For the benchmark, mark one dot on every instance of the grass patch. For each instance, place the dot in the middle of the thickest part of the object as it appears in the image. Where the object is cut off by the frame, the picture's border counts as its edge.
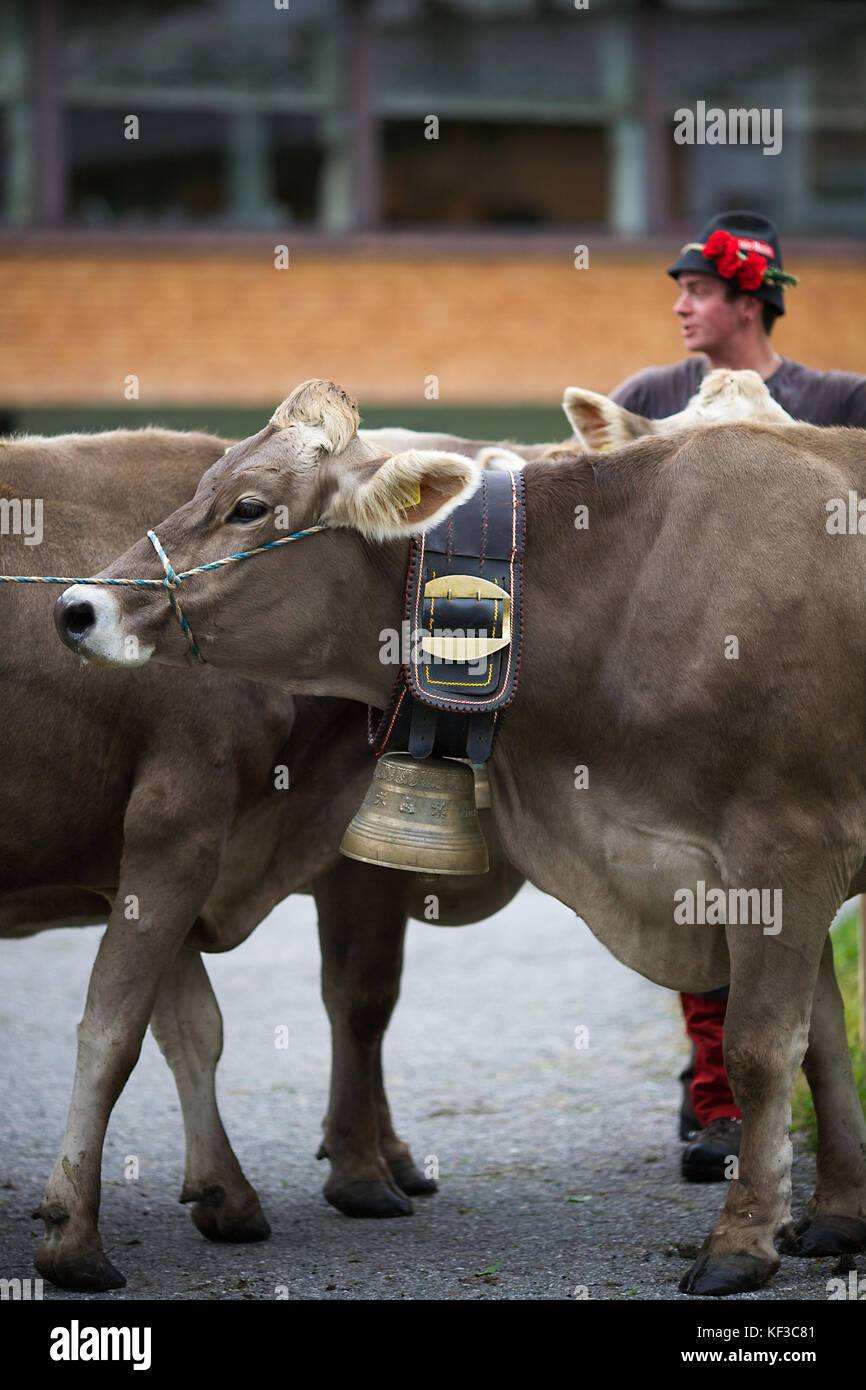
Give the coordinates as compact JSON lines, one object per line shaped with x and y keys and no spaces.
{"x":845,"y":937}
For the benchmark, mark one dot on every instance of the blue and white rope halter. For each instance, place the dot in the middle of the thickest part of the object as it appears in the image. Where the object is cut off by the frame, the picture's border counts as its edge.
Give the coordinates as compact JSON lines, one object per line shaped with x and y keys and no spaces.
{"x":171,"y":581}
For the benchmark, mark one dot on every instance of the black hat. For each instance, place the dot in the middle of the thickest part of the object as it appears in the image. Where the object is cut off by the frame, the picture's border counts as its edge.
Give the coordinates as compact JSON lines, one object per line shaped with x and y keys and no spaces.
{"x":750,"y":233}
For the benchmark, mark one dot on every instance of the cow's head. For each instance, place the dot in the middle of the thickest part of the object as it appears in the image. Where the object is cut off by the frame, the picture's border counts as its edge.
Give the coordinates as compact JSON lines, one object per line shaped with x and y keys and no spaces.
{"x":281,"y":615}
{"x":724,"y":398}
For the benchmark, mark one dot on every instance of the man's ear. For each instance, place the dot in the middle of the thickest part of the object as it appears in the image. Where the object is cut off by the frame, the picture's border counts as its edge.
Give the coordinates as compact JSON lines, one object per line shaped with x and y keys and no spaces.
{"x":599,"y":422}
{"x":748,"y":307}
{"x":402,"y":494}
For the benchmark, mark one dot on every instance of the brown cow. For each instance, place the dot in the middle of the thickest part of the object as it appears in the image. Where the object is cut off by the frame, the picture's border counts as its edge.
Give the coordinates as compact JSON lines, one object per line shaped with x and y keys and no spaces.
{"x":675,"y":648}
{"x":151,"y":802}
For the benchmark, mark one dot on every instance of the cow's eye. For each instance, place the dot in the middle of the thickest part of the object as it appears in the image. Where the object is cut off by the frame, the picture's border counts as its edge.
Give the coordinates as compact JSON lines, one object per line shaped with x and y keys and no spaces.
{"x":248,"y":510}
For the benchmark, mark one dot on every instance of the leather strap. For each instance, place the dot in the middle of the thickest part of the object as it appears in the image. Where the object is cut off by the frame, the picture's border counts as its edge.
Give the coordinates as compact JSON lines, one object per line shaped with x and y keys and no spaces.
{"x":450,"y":707}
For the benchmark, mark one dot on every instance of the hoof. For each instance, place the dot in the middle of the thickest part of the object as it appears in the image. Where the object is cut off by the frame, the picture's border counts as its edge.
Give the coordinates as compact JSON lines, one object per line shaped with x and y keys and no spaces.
{"x":212,"y":1216}
{"x":85,"y":1273}
{"x":717,"y":1275}
{"x":826,"y":1235}
{"x":410,"y":1181}
{"x":370,"y":1199}
{"x":237,"y":1231}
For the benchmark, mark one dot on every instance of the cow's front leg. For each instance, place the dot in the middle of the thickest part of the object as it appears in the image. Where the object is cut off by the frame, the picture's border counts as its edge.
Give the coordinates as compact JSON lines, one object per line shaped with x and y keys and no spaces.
{"x":187,"y":1024}
{"x":362,"y":923}
{"x":766,"y":1032}
{"x":163,"y":884}
{"x":834,"y":1222}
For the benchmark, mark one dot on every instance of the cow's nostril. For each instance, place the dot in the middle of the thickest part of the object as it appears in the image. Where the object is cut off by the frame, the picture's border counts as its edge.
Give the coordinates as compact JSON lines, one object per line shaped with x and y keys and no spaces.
{"x":77,"y":618}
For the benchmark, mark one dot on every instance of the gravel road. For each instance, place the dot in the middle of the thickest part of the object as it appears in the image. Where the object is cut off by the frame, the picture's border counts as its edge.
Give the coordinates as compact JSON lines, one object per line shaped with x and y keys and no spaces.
{"x":559,"y":1165}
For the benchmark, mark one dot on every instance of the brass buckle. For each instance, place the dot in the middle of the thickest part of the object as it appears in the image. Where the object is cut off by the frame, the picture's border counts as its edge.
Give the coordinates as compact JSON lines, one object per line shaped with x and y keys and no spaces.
{"x":466,"y":648}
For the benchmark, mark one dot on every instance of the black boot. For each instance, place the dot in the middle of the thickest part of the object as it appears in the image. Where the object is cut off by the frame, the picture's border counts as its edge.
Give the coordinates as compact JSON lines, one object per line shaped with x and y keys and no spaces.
{"x":706,"y":1158}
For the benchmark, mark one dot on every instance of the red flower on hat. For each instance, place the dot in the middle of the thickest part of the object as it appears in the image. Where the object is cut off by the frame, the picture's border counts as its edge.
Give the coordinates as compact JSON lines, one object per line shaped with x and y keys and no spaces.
{"x":716,"y":244}
{"x":724,"y":249}
{"x":729,"y":261}
{"x":750,"y":275}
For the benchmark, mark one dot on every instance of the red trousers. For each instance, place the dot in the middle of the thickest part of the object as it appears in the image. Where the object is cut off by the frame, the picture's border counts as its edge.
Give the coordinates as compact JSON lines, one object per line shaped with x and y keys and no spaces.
{"x":710,"y":1093}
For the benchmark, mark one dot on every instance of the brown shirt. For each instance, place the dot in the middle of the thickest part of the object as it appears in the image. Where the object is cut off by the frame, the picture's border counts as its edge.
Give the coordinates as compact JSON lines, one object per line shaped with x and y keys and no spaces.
{"x":819,"y":398}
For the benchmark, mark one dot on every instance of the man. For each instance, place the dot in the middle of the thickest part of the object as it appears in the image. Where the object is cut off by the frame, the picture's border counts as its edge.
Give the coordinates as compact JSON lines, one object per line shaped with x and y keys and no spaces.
{"x":731,"y":291}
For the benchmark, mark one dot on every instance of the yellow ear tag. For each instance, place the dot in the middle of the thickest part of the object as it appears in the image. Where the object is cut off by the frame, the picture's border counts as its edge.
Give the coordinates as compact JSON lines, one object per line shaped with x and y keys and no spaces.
{"x":414,"y":500}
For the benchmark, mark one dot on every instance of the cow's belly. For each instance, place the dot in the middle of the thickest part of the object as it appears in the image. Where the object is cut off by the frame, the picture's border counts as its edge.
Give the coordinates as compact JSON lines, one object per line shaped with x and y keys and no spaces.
{"x":33,"y":910}
{"x":621,"y":878}
{"x":636,"y":879}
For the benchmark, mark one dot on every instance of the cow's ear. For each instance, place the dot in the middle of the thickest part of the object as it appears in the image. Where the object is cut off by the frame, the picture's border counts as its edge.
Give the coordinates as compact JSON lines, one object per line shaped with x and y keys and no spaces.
{"x":599,"y":422}
{"x":321,"y":417}
{"x":403,"y":494}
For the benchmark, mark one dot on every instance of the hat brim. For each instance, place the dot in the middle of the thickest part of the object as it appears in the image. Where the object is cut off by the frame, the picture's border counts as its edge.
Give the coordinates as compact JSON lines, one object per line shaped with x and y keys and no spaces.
{"x":698,"y":263}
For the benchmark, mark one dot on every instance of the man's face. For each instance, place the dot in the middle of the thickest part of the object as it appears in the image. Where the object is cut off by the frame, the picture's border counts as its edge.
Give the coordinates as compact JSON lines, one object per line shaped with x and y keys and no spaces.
{"x":707,"y":319}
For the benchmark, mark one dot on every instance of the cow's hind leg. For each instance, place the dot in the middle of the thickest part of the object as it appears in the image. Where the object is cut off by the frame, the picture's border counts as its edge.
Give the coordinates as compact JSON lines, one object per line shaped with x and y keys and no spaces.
{"x":766,"y":1033}
{"x":187,"y":1024}
{"x":362,"y":922}
{"x":166,"y":874}
{"x":834,"y":1222}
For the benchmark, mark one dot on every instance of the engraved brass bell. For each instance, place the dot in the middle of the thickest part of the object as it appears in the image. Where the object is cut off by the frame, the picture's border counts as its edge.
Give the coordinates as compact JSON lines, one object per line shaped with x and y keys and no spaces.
{"x":419,"y":815}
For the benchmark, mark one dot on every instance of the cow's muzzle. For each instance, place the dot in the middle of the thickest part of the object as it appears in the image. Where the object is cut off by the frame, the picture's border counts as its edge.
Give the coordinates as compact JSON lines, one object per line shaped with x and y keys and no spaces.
{"x":89,"y":622}
{"x":73,"y":618}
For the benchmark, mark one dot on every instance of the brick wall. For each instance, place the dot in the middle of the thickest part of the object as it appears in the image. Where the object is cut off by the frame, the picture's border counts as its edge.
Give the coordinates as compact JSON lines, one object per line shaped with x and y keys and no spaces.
{"x":222,"y":326}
